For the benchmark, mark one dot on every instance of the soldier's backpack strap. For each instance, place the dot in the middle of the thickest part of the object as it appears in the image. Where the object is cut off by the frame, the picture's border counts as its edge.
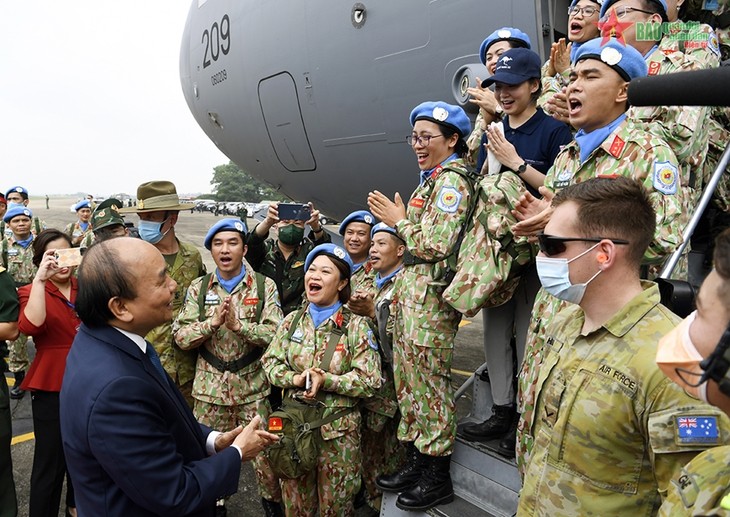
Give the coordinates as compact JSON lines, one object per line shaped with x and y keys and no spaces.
{"x":5,"y":252}
{"x":261,"y":295}
{"x":204,"y":286}
{"x":335,"y":334}
{"x":294,"y":323}
{"x":37,"y":224}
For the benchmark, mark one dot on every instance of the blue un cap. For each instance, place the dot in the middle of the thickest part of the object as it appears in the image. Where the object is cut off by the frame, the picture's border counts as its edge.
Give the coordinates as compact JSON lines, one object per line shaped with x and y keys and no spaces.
{"x":333,"y":251}
{"x":360,"y":216}
{"x":82,"y":204}
{"x":22,"y":190}
{"x":574,"y":2}
{"x":443,"y":114}
{"x":16,"y":211}
{"x":515,"y":66}
{"x":660,"y":3}
{"x":382,"y":227}
{"x":515,"y":36}
{"x":625,"y":60}
{"x":231,"y":224}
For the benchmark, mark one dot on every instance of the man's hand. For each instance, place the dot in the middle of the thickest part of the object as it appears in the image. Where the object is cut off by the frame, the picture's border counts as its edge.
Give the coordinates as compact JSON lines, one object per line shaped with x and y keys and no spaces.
{"x":390,"y":212}
{"x":313,"y":220}
{"x":232,"y":322}
{"x":220,"y":314}
{"x":272,"y":217}
{"x":362,"y":304}
{"x":316,"y":377}
{"x":557,"y":106}
{"x":251,"y":440}
{"x":532,"y":213}
{"x":224,"y":440}
{"x":559,"y":57}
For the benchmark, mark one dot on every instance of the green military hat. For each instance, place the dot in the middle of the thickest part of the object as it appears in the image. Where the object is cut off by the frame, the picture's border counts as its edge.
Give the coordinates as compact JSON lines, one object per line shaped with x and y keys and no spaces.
{"x":155,"y":196}
{"x":107,"y":214}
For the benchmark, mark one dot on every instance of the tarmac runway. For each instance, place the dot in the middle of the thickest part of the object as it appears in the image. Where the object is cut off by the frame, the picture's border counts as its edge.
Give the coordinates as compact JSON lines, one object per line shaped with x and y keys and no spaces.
{"x":468,"y":355}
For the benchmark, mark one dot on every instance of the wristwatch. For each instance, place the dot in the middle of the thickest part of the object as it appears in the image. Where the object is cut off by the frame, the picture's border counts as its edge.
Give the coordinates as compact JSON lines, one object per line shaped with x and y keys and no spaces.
{"x":521,"y":169}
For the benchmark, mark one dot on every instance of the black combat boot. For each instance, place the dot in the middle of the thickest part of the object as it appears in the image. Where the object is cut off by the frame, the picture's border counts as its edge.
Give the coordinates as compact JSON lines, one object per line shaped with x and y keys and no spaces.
{"x":406,"y":476}
{"x":434,"y":487}
{"x":497,"y":425}
{"x":507,"y":444}
{"x":272,"y":508}
{"x":15,"y":391}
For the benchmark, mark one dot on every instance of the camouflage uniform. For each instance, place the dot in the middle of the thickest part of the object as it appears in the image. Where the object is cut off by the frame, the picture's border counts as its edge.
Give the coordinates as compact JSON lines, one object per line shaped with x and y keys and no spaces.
{"x":363,"y":279}
{"x":180,"y":364}
{"x":607,"y":426}
{"x":354,"y":373}
{"x":682,"y":127}
{"x":224,"y":400}
{"x":425,"y":326}
{"x":631,"y":152}
{"x":19,"y":263}
{"x":87,"y":241}
{"x":551,"y":84}
{"x":265,"y":257}
{"x":701,"y":486}
{"x":474,"y":141}
{"x":74,"y":230}
{"x":382,"y":452}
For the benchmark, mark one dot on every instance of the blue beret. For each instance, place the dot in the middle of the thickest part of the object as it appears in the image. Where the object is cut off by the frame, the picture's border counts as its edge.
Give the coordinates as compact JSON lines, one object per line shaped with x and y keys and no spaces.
{"x":443,"y":114}
{"x":22,"y":190}
{"x":574,"y":2}
{"x":332,"y":251}
{"x":608,"y":3}
{"x":515,"y":66}
{"x":382,"y":227}
{"x":230,"y":224}
{"x":82,"y":204}
{"x":514,"y":36}
{"x":625,"y":60}
{"x":360,"y":216}
{"x":16,"y":211}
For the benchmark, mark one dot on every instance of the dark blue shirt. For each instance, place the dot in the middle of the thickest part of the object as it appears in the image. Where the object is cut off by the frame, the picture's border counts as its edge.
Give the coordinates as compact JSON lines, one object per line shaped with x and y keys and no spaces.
{"x":538,"y":141}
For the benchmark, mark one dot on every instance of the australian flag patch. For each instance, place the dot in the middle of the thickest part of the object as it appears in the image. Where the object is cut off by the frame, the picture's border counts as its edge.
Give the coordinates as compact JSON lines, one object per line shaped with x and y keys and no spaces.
{"x":697,"y":429}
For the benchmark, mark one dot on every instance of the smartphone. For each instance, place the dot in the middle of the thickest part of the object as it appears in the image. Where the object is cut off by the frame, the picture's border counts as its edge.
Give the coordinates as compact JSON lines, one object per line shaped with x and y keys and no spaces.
{"x":308,"y":382}
{"x":68,"y":257}
{"x":294,"y":212}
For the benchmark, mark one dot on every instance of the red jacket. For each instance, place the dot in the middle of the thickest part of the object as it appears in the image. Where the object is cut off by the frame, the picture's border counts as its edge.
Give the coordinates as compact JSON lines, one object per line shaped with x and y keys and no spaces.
{"x":52,"y":339}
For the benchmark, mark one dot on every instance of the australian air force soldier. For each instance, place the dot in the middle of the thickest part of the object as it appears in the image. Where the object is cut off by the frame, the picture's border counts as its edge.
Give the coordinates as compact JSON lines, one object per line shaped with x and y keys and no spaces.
{"x":79,"y":229}
{"x":355,"y":231}
{"x":605,"y":421}
{"x":17,"y":257}
{"x":158,"y":206}
{"x":382,"y":452}
{"x":230,"y":316}
{"x":607,"y":144}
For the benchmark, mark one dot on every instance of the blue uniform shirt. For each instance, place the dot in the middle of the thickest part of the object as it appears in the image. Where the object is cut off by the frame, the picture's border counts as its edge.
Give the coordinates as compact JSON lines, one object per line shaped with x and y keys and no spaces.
{"x":538,"y":141}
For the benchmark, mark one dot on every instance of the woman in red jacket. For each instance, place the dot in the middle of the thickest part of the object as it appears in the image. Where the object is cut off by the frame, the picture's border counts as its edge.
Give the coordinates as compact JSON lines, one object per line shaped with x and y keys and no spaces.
{"x":47,"y":314}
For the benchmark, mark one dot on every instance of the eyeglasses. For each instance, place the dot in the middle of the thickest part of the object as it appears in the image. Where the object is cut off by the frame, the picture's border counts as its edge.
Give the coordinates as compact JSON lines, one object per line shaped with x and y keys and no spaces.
{"x":421,"y":140}
{"x":623,"y":11}
{"x":586,"y":12}
{"x":551,"y":245}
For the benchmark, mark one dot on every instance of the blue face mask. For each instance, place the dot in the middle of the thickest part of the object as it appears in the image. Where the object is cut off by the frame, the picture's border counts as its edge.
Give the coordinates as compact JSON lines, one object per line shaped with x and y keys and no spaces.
{"x":151,"y":231}
{"x":554,"y":276}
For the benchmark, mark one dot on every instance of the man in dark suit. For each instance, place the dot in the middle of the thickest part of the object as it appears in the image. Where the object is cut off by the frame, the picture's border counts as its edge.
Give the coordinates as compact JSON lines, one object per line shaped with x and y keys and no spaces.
{"x":132,"y":445}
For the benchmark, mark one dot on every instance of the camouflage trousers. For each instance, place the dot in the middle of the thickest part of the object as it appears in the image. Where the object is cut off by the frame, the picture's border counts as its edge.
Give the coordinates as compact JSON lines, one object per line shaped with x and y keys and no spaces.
{"x":382,"y":453}
{"x":225,"y":418}
{"x":18,"y":354}
{"x":543,"y":312}
{"x":330,"y":488}
{"x":422,"y":354}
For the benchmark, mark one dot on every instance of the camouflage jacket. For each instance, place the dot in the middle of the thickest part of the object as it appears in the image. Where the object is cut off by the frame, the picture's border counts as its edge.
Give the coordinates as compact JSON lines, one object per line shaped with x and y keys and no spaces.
{"x":435,"y":215}
{"x":229,"y":388}
{"x":180,"y":364}
{"x":629,"y":151}
{"x":363,"y":279}
{"x":610,"y":429}
{"x":702,"y":487}
{"x":74,"y":231}
{"x":354,"y":371}
{"x":683,"y":128}
{"x":18,"y":261}
{"x":265,"y":257}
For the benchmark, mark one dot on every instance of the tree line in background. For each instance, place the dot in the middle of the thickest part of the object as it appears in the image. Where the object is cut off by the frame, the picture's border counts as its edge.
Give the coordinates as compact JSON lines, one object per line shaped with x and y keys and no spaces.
{"x":231,"y":183}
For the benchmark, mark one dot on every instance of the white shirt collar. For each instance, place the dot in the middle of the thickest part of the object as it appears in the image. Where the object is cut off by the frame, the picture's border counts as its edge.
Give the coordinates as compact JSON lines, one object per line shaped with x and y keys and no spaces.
{"x":138,"y":340}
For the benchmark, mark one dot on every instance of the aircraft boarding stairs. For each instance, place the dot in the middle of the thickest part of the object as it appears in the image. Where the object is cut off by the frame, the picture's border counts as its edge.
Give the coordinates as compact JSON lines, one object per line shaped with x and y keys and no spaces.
{"x":486,"y":484}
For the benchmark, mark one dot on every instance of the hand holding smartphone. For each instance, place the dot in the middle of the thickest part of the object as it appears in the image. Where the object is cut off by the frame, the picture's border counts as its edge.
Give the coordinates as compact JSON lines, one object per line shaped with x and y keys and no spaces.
{"x":294,"y":212}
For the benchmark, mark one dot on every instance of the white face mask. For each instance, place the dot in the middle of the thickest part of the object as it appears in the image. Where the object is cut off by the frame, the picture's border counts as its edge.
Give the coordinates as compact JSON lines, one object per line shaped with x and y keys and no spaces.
{"x":554,"y":276}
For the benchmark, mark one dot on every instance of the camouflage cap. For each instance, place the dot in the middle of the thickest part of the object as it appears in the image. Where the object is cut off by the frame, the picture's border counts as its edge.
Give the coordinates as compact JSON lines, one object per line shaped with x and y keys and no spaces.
{"x":106,"y":216}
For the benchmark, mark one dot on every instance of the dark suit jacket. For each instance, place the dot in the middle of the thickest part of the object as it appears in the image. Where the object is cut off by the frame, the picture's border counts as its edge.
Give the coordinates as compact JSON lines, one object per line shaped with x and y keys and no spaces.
{"x":132,"y":445}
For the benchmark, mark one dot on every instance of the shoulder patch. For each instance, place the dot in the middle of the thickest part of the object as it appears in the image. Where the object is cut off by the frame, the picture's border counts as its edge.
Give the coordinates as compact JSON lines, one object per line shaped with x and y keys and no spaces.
{"x":713,"y":43}
{"x":654,"y":67}
{"x":665,"y":177}
{"x":617,"y":146}
{"x":697,"y":430}
{"x":448,"y":200}
{"x":372,"y":341}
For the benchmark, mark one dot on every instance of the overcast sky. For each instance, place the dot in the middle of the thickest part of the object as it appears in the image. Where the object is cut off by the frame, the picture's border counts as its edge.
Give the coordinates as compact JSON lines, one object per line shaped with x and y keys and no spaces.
{"x":90,"y":98}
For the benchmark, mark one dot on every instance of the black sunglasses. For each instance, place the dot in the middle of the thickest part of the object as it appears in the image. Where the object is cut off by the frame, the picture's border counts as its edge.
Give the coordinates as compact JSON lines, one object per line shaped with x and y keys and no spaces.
{"x":551,"y":245}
